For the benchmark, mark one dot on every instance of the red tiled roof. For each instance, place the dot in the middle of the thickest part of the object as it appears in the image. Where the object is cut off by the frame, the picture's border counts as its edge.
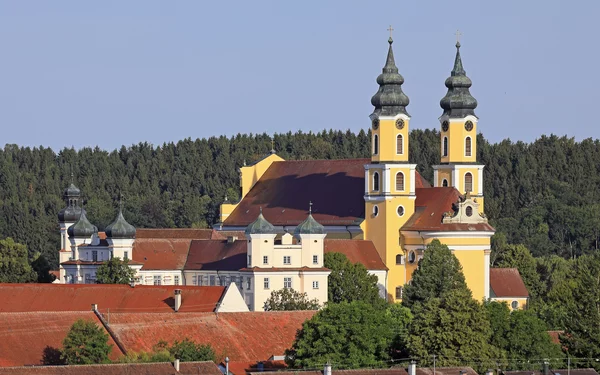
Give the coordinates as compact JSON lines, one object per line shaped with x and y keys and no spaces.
{"x":217,"y":255}
{"x":161,"y":254}
{"x":25,"y":336}
{"x":430,"y":206}
{"x":336,"y":187}
{"x":357,"y":251}
{"x":241,"y":368}
{"x":176,"y":233}
{"x":507,"y":282}
{"x":92,"y":263}
{"x":248,"y":336}
{"x":123,"y":298}
{"x":162,"y":368}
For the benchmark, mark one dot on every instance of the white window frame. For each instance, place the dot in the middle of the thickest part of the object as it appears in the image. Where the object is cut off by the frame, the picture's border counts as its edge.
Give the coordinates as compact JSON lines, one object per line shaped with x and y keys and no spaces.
{"x":266,"y":283}
{"x":403,"y":181}
{"x":315,"y":284}
{"x":376,"y":179}
{"x":287,"y":260}
{"x":265,"y":259}
{"x":401,"y":144}
{"x":470,"y":151}
{"x":315,"y":259}
{"x":398,"y":209}
{"x":287,"y":283}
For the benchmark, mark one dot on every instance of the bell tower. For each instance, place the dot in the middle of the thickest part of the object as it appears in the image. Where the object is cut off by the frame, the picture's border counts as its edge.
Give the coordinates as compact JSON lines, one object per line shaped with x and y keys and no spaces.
{"x":389,"y":178}
{"x":458,"y":154}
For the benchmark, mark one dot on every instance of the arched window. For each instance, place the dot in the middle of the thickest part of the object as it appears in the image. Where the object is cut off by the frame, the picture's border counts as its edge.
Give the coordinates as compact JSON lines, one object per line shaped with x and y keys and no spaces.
{"x":445,"y":147}
{"x":445,"y":183}
{"x":376,"y":181}
{"x":399,"y":181}
{"x":375,"y":144}
{"x":468,"y":182}
{"x":468,"y":146}
{"x":399,"y":259}
{"x":399,"y":144}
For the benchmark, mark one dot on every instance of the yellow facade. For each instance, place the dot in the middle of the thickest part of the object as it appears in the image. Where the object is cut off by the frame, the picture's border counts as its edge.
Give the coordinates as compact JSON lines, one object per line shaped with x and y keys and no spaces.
{"x":391,"y":136}
{"x":519,"y":302}
{"x":457,"y":136}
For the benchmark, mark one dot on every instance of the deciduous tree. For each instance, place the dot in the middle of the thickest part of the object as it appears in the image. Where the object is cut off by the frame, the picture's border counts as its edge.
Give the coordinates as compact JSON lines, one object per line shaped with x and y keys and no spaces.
{"x":115,"y":271}
{"x":14,"y":265}
{"x":288,"y":299}
{"x":350,"y":282}
{"x":86,"y":343}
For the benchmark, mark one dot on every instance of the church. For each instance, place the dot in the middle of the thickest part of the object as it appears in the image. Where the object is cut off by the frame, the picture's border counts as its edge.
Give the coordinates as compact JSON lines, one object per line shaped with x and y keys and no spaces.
{"x":379,"y":212}
{"x":384,"y":199}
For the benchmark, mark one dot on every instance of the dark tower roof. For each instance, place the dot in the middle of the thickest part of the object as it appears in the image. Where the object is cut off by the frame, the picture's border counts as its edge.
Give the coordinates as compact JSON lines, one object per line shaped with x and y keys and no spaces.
{"x":72,"y":212}
{"x":309,"y":226}
{"x":120,"y":228}
{"x":260,"y":226}
{"x":458,"y":102}
{"x":389,"y":99}
{"x":82,"y":228}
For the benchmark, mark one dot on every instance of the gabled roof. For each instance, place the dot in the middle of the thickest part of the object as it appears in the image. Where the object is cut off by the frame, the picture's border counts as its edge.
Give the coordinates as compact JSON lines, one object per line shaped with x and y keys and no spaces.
{"x":161,"y":254}
{"x":336,"y":187}
{"x":123,"y":298}
{"x":223,"y":256}
{"x":217,"y":255}
{"x":25,"y":337}
{"x":248,"y":336}
{"x":161,"y":368}
{"x":507,"y":282}
{"x":357,"y":251}
{"x":430,"y":206}
{"x":177,"y":233}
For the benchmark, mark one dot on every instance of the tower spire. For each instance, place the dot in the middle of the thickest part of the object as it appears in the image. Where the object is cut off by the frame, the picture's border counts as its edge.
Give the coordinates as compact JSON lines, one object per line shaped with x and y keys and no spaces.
{"x":458,"y":102}
{"x":389,"y":99}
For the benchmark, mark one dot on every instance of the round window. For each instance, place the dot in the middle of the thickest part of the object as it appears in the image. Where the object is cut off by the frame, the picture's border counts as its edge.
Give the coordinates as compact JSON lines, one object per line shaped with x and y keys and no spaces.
{"x":514,"y":305}
{"x":375,"y":211}
{"x":412,"y":256}
{"x":400,"y":211}
{"x":469,"y":211}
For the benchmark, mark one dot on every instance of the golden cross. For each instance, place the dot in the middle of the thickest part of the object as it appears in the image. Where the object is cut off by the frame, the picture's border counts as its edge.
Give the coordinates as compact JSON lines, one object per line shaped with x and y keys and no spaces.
{"x":390,"y":29}
{"x":458,"y":35}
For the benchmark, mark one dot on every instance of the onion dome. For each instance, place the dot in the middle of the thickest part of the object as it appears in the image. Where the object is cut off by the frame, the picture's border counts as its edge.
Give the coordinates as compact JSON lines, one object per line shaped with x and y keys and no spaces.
{"x":72,"y":191}
{"x":82,"y":227}
{"x":72,"y":212}
{"x":389,"y":99}
{"x":260,"y":226}
{"x":458,"y":102}
{"x":69,"y":214}
{"x":120,"y":228}
{"x":309,"y":226}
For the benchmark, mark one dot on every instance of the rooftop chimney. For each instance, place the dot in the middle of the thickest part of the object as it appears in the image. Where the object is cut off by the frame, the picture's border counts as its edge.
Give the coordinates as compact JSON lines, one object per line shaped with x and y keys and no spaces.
{"x":176,"y":364}
{"x":412,"y":368}
{"x":177,"y":299}
{"x":327,"y":369}
{"x":231,"y":239}
{"x":94,"y":307}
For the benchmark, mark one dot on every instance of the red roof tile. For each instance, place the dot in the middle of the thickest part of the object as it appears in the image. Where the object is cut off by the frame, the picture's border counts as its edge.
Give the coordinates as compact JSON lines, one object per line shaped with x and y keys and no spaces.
{"x":217,"y":255}
{"x":25,"y":336}
{"x":430,"y":206}
{"x":123,"y":298}
{"x":248,"y":336}
{"x":161,"y":254}
{"x":357,"y":251}
{"x":507,"y":282}
{"x":176,"y":233}
{"x":241,"y":368}
{"x":164,"y":368}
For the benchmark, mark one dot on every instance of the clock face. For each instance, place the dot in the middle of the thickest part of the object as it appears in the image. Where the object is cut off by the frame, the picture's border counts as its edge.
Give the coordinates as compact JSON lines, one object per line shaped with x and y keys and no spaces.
{"x":375,"y":124}
{"x":468,"y":126}
{"x":445,"y":126}
{"x":400,"y":124}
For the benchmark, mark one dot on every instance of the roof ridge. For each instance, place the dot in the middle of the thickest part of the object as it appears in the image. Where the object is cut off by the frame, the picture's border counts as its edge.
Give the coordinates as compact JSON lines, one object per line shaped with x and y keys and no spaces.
{"x":309,"y":160}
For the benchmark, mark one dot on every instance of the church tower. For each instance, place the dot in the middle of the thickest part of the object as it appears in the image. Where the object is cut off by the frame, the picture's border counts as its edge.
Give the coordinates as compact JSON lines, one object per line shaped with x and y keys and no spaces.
{"x":389,"y":178}
{"x":458,"y":154}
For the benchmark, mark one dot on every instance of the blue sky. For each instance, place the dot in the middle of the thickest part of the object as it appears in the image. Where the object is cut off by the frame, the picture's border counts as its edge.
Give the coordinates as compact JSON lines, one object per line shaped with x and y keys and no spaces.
{"x":107,"y":73}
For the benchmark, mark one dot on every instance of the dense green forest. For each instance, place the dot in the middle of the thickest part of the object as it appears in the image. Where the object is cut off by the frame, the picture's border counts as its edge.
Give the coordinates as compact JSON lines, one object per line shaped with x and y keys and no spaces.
{"x":543,"y":194}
